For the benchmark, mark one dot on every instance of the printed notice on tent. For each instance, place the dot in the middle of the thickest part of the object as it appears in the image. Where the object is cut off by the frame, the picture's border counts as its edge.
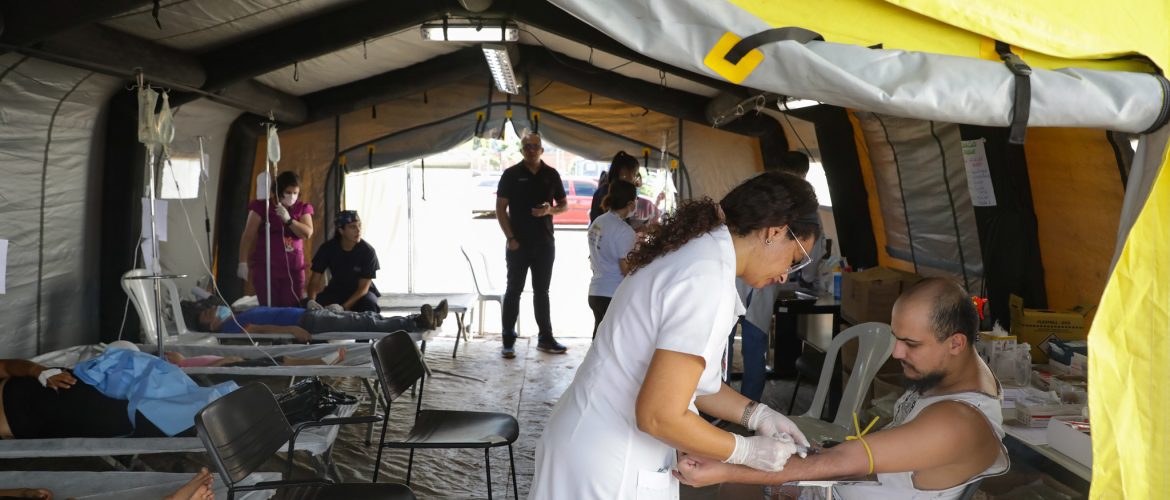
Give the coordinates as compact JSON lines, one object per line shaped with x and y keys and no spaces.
{"x":160,"y":217}
{"x":978,"y":175}
{"x":3,"y":265}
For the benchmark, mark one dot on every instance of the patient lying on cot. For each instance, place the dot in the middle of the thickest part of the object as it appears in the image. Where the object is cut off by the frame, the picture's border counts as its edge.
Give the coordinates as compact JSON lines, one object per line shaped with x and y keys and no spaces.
{"x":303,"y":323}
{"x":211,"y":360}
{"x":39,"y":402}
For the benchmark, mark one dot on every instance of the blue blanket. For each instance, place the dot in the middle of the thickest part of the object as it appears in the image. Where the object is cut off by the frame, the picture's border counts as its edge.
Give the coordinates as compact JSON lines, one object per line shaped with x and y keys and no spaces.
{"x":161,"y":391}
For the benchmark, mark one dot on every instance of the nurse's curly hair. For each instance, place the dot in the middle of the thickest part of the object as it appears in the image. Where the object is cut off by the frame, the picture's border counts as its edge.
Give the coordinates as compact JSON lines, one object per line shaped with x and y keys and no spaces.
{"x":771,"y":199}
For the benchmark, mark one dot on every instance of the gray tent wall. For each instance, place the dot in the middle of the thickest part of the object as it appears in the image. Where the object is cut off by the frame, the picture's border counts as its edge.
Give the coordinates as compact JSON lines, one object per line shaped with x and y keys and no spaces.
{"x":1144,"y":170}
{"x":925,"y":200}
{"x":49,"y":117}
{"x":185,"y":251}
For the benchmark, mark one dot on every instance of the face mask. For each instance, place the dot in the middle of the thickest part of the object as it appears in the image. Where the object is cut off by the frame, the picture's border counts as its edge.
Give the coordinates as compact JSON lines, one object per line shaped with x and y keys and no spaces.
{"x":288,"y":200}
{"x":222,"y":312}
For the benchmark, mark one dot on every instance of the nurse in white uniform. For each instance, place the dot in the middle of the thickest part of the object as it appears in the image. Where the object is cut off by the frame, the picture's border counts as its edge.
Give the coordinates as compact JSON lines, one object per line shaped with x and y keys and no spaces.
{"x":657,"y":358}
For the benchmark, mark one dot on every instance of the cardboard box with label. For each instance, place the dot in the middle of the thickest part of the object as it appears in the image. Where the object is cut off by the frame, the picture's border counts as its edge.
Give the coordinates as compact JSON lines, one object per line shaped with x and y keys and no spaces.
{"x":869,"y":295}
{"x":1036,"y":326}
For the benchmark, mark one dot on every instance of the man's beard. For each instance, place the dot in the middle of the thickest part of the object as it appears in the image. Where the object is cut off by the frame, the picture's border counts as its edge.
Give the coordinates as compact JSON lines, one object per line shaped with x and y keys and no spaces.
{"x":923,"y":383}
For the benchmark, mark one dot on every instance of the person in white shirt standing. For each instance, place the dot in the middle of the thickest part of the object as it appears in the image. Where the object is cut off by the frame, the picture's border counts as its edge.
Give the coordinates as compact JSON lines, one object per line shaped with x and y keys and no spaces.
{"x":657,"y":358}
{"x":610,"y":239}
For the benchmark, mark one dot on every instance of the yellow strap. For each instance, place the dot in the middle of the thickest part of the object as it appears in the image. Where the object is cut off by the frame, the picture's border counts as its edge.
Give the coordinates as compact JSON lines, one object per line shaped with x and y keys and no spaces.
{"x":860,"y":433}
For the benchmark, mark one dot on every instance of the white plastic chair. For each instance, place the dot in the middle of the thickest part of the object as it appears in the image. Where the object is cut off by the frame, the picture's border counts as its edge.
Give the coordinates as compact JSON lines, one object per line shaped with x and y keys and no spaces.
{"x":141,"y":294}
{"x":483,"y":285}
{"x":876,"y":345}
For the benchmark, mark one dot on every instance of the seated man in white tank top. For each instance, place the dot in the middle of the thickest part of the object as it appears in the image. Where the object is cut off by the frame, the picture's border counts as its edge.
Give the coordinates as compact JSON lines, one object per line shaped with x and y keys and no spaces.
{"x":947,"y":427}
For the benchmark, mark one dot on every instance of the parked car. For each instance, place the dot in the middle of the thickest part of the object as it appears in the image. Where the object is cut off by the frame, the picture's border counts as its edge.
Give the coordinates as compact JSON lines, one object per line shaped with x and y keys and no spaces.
{"x":579,"y":195}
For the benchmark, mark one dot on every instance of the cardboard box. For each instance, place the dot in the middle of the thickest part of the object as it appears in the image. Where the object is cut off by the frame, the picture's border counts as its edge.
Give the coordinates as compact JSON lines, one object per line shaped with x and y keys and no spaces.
{"x":869,"y":295}
{"x":1065,"y":438}
{"x":1036,"y":326}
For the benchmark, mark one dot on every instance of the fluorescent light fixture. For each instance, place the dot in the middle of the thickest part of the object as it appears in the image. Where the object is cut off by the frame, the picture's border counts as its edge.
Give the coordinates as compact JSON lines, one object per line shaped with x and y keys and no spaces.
{"x":471,"y":32}
{"x":501,"y":66}
{"x":790,"y":103}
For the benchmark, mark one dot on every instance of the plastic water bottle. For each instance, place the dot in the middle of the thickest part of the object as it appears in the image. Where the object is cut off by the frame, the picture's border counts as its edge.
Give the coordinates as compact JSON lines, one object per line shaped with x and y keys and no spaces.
{"x":837,"y":282}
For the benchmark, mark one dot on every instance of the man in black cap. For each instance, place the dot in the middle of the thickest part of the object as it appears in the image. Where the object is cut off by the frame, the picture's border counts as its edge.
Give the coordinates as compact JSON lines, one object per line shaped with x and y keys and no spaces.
{"x":525,"y":209}
{"x":353,"y":265}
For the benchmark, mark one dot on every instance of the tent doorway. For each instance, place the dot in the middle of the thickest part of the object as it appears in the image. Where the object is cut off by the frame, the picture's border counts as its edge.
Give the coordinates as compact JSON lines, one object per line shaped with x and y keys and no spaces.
{"x":419,"y":214}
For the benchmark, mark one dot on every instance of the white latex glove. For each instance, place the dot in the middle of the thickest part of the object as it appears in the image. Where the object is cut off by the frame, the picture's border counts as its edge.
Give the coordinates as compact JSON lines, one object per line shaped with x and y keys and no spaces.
{"x":771,"y":423}
{"x":762,"y":452}
{"x":283,"y":213}
{"x":242,"y":271}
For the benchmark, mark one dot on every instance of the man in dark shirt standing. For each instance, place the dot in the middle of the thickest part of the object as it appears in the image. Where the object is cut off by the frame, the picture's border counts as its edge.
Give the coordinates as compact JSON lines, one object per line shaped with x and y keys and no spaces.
{"x":524,"y":209}
{"x":353,"y":265}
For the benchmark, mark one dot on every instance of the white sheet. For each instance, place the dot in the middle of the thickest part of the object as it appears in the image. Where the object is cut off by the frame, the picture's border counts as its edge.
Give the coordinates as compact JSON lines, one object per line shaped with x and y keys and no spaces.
{"x":316,"y":441}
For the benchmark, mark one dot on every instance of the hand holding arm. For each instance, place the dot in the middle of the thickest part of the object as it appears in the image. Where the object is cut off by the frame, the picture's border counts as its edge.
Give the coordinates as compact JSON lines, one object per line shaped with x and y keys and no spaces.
{"x":771,"y":423}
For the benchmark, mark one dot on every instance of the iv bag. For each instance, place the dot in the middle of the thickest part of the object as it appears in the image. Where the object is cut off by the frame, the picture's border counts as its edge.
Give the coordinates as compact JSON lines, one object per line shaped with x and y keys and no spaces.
{"x":166,"y":122}
{"x":147,"y":129}
{"x":273,"y":145}
{"x":262,"y":188}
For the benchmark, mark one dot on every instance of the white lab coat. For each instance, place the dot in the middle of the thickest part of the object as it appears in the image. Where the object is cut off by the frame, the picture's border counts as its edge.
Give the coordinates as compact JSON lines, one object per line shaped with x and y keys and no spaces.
{"x":684,"y":301}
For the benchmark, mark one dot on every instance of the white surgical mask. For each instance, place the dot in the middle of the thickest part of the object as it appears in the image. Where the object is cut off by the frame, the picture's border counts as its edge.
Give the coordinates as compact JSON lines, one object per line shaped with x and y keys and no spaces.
{"x":288,"y":200}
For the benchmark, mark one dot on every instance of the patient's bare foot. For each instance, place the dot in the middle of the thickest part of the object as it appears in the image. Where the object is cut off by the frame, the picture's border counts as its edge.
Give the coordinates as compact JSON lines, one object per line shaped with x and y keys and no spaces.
{"x":198,"y":488}
{"x":340,"y":356}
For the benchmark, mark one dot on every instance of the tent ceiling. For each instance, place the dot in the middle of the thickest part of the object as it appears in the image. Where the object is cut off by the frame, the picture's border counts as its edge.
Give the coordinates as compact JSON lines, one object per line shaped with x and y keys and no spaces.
{"x":201,"y":25}
{"x":379,"y":55}
{"x":245,"y":53}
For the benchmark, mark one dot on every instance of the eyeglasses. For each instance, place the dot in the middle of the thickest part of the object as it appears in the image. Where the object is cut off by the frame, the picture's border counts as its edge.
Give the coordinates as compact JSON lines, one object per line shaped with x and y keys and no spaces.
{"x":532,"y":147}
{"x":804,"y":262}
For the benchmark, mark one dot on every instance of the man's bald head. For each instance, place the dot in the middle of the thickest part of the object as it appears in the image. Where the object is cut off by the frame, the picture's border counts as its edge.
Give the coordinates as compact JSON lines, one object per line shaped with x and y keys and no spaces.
{"x":951,"y":309}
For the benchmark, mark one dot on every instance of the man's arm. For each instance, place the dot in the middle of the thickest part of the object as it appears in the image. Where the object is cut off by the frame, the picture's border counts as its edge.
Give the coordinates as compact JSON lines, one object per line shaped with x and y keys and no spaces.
{"x":944,"y":434}
{"x":561,"y":206}
{"x":363,"y":287}
{"x":316,"y":284}
{"x":10,"y":368}
{"x":505,"y":224}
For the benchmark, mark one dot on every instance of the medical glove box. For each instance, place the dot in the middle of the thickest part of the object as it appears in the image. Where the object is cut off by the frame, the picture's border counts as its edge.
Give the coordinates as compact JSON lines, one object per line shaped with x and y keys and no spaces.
{"x":1037,"y":326}
{"x":1066,"y":438}
{"x":869,"y":295}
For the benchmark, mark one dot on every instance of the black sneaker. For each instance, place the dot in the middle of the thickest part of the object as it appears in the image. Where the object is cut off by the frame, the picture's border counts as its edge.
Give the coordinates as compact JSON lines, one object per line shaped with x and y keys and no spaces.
{"x":551,"y":346}
{"x":440,"y":313}
{"x":426,"y":317}
{"x":509,"y":352}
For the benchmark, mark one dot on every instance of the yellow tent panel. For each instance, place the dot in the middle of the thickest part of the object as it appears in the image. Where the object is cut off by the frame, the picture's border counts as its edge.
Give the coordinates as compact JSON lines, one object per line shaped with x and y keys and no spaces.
{"x":968,"y":29}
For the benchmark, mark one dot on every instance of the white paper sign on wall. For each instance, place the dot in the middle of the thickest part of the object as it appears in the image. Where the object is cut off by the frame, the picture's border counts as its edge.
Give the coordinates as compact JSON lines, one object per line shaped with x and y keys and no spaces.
{"x":978,"y":174}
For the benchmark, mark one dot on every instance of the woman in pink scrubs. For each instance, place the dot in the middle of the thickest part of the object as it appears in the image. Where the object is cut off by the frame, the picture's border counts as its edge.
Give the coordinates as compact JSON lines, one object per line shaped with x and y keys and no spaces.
{"x":290,"y":222}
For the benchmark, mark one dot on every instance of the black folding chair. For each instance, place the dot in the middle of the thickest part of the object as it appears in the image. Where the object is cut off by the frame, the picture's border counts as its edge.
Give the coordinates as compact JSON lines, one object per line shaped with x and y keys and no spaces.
{"x":400,"y":364}
{"x":244,"y":429}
